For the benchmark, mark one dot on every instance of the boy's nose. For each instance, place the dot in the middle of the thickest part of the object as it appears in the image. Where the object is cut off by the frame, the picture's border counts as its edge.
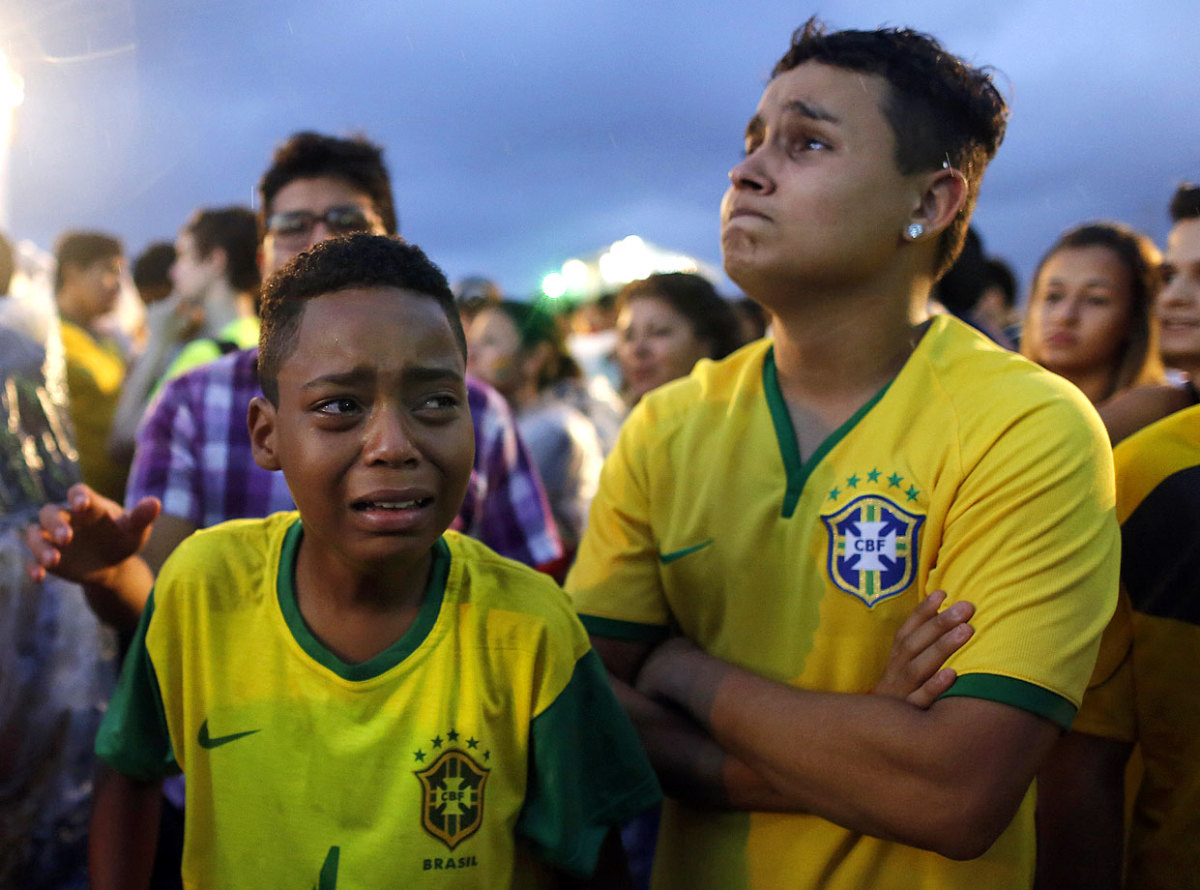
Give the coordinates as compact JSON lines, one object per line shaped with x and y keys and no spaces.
{"x":388,"y":440}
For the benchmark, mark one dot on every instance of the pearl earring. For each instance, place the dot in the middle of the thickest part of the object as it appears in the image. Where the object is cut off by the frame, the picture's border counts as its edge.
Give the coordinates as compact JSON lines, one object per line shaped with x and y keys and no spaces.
{"x":914,"y":231}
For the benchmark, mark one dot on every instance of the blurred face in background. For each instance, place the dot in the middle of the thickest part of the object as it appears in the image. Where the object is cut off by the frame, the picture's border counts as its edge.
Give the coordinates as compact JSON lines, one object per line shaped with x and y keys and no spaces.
{"x":307,"y":211}
{"x":1178,"y":304}
{"x":91,"y":290}
{"x":656,"y":344}
{"x":192,"y":274}
{"x":494,"y":351}
{"x":1080,"y":311}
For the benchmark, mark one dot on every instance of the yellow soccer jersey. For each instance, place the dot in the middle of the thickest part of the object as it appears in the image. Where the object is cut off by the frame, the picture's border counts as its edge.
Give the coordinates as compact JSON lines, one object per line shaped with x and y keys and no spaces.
{"x":486,"y":738}
{"x":974,"y":471}
{"x":95,"y":371}
{"x":1144,"y":688}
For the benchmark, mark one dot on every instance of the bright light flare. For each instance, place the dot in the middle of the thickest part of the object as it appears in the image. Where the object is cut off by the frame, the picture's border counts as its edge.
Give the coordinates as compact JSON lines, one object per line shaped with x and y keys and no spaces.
{"x":554,"y":286}
{"x":12,"y":85}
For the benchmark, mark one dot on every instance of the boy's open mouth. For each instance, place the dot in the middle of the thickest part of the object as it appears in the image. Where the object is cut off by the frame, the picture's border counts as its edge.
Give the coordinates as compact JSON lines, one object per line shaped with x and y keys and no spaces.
{"x":391,"y":505}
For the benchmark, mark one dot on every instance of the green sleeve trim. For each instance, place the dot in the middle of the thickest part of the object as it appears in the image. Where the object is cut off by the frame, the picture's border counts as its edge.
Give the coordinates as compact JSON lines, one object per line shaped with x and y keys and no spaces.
{"x":629,"y":631}
{"x":133,"y":737}
{"x":587,"y":772}
{"x":1018,"y":693}
{"x":796,"y":469}
{"x":427,"y":615}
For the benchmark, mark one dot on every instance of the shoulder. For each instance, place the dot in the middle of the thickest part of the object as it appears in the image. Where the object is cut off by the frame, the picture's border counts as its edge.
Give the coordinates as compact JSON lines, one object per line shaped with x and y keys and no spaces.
{"x":709,"y":391}
{"x":991,"y":392}
{"x":1154,"y":454}
{"x":226,"y":557}
{"x":510,"y":593}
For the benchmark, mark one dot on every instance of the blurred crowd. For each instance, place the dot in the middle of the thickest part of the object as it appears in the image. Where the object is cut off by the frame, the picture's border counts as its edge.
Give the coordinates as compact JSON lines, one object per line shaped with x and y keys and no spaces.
{"x":147,"y":403}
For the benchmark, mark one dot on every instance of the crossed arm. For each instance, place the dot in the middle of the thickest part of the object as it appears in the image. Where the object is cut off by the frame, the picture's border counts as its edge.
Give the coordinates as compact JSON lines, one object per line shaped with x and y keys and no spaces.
{"x":942,"y":774}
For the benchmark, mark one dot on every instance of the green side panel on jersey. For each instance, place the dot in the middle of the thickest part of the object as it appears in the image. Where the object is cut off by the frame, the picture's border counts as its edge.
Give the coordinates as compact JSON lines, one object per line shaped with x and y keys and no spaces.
{"x":1018,"y":693}
{"x":389,"y":657}
{"x":133,"y":737}
{"x":797,"y":469}
{"x":588,"y":772}
{"x":630,"y":631}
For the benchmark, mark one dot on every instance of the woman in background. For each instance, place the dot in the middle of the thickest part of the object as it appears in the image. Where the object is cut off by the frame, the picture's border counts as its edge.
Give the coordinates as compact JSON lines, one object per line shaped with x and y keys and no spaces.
{"x":1090,"y":313}
{"x":667,"y":323}
{"x":520,"y":350}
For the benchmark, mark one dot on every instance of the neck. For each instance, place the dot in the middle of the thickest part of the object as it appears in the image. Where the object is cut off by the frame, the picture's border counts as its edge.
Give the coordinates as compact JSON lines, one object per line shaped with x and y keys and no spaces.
{"x":222,"y":305}
{"x":838,"y":351}
{"x":1096,"y":384}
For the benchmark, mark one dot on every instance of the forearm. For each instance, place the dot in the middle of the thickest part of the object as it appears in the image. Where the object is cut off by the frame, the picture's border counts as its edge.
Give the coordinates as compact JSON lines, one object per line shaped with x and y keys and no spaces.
{"x":1081,"y":814}
{"x":118,"y":594}
{"x":949,"y":778}
{"x":123,"y":832}
{"x":691,"y":766}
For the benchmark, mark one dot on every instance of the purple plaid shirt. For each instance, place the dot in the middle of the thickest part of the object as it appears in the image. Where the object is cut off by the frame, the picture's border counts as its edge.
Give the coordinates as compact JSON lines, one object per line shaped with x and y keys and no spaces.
{"x":193,"y":453}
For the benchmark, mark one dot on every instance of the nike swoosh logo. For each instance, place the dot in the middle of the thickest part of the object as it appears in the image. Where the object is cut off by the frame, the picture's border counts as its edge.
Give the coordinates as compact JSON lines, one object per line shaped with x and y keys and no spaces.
{"x":208,"y":742}
{"x":665,"y":558}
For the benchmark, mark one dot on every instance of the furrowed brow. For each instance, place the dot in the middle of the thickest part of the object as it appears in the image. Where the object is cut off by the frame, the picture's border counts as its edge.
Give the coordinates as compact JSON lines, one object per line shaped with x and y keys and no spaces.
{"x":807,"y":109}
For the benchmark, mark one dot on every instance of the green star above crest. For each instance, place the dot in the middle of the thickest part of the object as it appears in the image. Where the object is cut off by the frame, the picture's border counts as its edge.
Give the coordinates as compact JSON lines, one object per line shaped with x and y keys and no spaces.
{"x":420,"y":756}
{"x":472,"y":743}
{"x":894,"y":480}
{"x":834,"y":494}
{"x":852,"y":481}
{"x":873,"y":476}
{"x":452,"y":735}
{"x":436,"y":741}
{"x":912,"y":493}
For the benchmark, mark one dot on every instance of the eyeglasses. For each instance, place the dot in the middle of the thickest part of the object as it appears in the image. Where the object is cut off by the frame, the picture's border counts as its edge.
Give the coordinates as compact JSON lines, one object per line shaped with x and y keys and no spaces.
{"x":294,"y":228}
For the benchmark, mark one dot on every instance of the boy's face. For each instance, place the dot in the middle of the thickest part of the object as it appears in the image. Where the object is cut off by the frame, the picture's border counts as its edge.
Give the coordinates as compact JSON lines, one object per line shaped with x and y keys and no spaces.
{"x":372,"y":431}
{"x":818,"y":197}
{"x":1178,"y":305}
{"x":300,"y":217}
{"x":95,"y":287}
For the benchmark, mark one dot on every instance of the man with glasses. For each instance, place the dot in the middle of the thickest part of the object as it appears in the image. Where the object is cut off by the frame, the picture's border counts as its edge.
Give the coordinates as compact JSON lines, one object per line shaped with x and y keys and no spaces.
{"x":193,"y":450}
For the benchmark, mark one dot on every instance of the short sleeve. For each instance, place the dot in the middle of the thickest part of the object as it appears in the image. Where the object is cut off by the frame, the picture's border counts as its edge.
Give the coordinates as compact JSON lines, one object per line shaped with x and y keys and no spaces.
{"x":1032,"y":540}
{"x":615,"y":583}
{"x":166,"y":464}
{"x":133,"y":737}
{"x":588,"y":772}
{"x":1108,"y":704}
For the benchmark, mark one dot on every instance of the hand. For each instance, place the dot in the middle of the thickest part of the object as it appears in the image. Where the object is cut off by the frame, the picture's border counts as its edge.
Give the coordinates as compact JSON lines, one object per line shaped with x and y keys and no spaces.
{"x":921,"y":646}
{"x":86,"y":539}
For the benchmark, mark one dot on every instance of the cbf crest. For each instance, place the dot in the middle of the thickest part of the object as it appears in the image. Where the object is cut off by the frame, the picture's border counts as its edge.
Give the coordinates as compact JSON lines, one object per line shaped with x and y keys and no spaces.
{"x":872,"y":548}
{"x":452,"y":796}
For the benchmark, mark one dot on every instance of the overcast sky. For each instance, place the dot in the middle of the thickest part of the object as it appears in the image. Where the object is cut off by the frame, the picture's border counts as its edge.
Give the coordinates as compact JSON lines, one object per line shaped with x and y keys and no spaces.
{"x":522,"y":133}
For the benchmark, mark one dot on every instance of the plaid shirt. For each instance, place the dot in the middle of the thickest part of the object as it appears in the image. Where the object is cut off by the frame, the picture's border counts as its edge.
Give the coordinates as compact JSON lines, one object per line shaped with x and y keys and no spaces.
{"x":193,"y":453}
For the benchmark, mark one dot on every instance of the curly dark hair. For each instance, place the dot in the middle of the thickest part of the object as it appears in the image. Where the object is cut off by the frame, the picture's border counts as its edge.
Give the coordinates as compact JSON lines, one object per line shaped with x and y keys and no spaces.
{"x":336,"y":264}
{"x":308,"y":155}
{"x":939,"y":108}
{"x":235,"y":231}
{"x":692,"y":296}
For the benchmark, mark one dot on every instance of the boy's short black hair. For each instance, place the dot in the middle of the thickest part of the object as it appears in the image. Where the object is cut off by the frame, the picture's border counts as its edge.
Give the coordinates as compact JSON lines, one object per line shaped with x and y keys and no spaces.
{"x":235,"y":231}
{"x":336,"y":264}
{"x":152,"y":268}
{"x":940,"y":109}
{"x":1185,"y":204}
{"x":309,"y":155}
{"x":81,"y":249}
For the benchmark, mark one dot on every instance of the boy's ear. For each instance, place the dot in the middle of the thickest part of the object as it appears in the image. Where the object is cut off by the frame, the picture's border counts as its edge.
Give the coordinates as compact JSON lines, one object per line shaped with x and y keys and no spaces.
{"x":943,"y":196}
{"x":261,"y":421}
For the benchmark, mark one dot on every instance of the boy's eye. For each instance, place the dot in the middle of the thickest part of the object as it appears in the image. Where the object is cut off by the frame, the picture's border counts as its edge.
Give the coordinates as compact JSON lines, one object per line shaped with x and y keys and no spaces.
{"x":442,"y":403}
{"x":337,"y":407}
